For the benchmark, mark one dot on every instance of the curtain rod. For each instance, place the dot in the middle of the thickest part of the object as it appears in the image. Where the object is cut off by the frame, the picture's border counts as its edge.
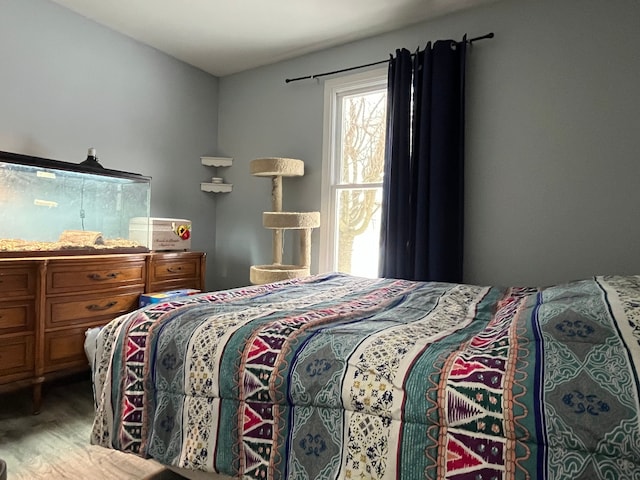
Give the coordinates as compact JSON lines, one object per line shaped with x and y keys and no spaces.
{"x":318,"y":75}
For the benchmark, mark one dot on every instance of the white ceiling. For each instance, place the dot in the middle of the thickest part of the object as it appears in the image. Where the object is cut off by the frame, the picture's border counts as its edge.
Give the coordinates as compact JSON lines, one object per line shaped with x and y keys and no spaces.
{"x":228,"y":36}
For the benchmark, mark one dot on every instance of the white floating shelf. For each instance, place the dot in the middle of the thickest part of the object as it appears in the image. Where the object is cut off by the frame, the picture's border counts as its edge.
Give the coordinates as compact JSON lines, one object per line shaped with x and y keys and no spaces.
{"x":216,"y":161}
{"x":216,"y":187}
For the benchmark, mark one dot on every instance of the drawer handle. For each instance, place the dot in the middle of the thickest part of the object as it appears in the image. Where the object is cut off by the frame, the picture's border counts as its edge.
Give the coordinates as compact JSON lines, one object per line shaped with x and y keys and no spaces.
{"x":174,"y":269}
{"x":96,"y":308}
{"x":98,"y":278}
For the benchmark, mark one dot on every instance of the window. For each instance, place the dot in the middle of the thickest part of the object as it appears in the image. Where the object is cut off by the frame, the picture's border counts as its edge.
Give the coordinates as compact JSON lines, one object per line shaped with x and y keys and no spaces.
{"x":353,"y":167}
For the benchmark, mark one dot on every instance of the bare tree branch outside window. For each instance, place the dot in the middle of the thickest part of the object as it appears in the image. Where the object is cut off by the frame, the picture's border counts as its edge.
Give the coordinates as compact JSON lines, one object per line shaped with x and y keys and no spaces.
{"x":363,"y":142}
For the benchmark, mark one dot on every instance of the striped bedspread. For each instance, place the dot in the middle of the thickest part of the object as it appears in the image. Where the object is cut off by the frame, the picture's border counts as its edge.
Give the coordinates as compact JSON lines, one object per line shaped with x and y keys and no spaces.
{"x":335,"y":376}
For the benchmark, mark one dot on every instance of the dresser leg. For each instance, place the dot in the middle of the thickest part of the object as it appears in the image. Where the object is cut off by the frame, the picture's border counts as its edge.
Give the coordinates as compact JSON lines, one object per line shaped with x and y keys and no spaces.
{"x":37,"y":395}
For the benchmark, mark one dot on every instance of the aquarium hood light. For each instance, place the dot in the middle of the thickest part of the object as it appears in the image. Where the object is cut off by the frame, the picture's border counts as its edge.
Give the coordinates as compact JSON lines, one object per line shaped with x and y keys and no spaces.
{"x":68,"y":166}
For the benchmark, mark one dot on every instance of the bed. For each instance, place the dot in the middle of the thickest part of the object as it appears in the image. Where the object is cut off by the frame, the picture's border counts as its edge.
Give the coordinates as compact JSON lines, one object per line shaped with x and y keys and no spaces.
{"x":334,"y":376}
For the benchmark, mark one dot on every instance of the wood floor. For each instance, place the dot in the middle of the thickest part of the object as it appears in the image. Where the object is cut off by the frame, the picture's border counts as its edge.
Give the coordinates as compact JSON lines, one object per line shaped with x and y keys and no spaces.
{"x":55,"y":443}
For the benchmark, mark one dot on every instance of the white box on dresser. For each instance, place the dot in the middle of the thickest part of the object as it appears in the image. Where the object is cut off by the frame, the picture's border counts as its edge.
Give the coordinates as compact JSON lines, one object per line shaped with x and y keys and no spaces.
{"x":161,"y":233}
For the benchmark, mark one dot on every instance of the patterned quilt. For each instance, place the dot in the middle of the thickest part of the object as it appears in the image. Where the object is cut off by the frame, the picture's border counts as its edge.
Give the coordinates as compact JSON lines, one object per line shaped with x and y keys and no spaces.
{"x":335,"y":376}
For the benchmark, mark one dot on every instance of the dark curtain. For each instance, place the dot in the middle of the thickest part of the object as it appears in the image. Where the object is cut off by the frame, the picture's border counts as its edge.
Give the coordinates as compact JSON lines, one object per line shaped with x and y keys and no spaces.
{"x":422,"y":206}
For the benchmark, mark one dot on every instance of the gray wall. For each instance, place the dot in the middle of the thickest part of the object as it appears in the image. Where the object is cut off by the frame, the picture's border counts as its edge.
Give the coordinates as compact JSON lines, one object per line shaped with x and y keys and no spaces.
{"x":68,"y":84}
{"x":552,"y":135}
{"x":552,"y":164}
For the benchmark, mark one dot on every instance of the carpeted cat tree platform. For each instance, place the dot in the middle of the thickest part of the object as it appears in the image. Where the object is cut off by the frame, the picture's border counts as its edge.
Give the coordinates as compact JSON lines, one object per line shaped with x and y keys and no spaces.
{"x":278,"y":221}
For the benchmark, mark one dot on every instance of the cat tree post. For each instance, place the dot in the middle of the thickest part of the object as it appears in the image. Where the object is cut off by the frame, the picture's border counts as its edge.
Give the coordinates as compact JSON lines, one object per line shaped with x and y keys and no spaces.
{"x":278,"y":221}
{"x":276,"y":206}
{"x":305,"y":247}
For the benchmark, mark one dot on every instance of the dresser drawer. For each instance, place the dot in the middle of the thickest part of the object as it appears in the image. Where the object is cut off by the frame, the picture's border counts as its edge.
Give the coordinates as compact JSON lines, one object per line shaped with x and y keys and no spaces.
{"x":64,"y":348}
{"x":16,"y":355}
{"x":16,"y":316}
{"x":87,"y":309}
{"x":66,"y":277}
{"x":172,"y":269}
{"x":17,"y":281}
{"x":178,"y":284}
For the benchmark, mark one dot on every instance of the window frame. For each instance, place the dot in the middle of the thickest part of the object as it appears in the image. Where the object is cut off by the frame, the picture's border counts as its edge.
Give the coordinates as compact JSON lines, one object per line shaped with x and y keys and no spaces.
{"x":334,"y":89}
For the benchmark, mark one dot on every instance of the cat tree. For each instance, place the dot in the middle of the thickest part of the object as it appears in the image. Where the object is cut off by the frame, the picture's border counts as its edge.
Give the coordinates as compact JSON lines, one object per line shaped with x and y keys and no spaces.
{"x":278,"y":221}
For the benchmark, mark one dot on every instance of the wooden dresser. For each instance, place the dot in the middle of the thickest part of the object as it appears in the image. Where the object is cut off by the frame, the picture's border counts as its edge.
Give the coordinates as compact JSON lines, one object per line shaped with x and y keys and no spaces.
{"x":47,"y":304}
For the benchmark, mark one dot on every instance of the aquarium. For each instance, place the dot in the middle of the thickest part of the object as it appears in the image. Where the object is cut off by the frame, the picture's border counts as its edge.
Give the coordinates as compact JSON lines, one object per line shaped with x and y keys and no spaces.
{"x":55,"y":207}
